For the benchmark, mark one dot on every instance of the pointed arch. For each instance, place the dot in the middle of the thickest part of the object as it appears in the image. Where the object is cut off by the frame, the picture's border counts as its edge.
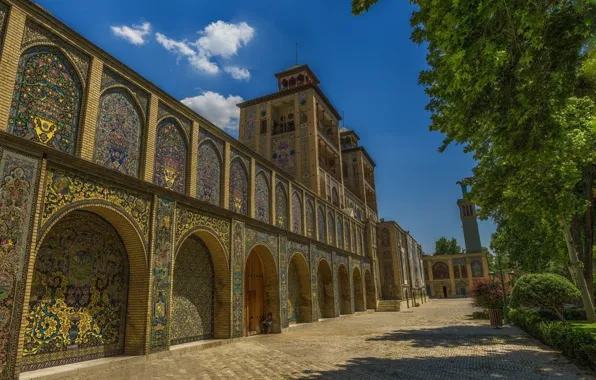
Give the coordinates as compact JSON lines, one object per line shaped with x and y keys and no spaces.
{"x":322,"y":225}
{"x":358,"y":291}
{"x":335,"y":197}
{"x":325,"y":292}
{"x":209,"y":173}
{"x":170,"y":155}
{"x":47,"y":99}
{"x":330,"y":228}
{"x":348,"y":236}
{"x":262,"y":198}
{"x":238,"y":201}
{"x":296,"y":213}
{"x":299,"y":293}
{"x":261,"y":290}
{"x":310,"y":219}
{"x":340,"y":233}
{"x":119,"y":131}
{"x":345,"y":304}
{"x":281,"y":206}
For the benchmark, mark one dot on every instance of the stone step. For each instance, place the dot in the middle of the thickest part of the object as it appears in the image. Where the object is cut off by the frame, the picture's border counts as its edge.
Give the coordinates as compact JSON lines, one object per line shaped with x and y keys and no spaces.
{"x":388,"y":306}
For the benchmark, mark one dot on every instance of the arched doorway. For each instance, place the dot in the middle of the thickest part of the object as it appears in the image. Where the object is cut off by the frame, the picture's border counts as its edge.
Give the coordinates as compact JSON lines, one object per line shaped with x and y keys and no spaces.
{"x":325,"y":294}
{"x":261,"y":290}
{"x":345,"y":304}
{"x":80,"y":291}
{"x":371,"y":299}
{"x":198,"y":251}
{"x":193,"y":293}
{"x":358,"y":292}
{"x":299,"y":295}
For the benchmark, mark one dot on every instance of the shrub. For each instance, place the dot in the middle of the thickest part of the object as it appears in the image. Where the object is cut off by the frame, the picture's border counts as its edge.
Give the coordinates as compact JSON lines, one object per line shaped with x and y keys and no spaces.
{"x":488,"y":294}
{"x":546,"y":291}
{"x":573,"y":314}
{"x":577,"y":345}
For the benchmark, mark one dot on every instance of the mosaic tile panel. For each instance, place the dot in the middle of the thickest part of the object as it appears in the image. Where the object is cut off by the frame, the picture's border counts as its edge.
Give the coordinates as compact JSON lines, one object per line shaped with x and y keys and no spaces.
{"x":330,"y":228}
{"x":170,"y":156}
{"x":262,"y":198}
{"x":209,"y":174}
{"x":118,"y":133}
{"x":238,"y":278}
{"x":109,"y":79}
{"x":477,"y":269}
{"x":238,"y":187}
{"x":263,"y":145}
{"x":250,"y":123}
{"x":254,"y":237}
{"x":165,"y":111}
{"x":294,"y":246}
{"x":162,"y":266}
{"x":314,"y":262}
{"x":204,"y":135}
{"x":283,"y":281}
{"x":296,"y":213}
{"x":293,"y":294}
{"x":35,"y":34}
{"x":187,"y":221}
{"x":235,"y":153}
{"x":46,"y":100}
{"x":340,"y":233}
{"x":283,"y":152}
{"x":77,"y":307}
{"x":193,"y":293}
{"x":281,"y":207}
{"x":322,"y":225}
{"x":348,"y":246}
{"x":310,"y":218}
{"x":65,"y":188}
{"x":18,"y":182}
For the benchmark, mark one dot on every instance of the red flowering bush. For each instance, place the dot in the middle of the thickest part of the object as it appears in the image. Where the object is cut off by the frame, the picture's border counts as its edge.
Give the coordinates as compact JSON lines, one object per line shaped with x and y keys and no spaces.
{"x":488,"y":294}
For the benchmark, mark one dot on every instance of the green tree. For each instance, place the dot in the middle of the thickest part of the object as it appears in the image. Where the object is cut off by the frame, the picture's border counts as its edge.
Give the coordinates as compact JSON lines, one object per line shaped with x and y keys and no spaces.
{"x":513,"y":81}
{"x":447,"y":247}
{"x":546,"y":290}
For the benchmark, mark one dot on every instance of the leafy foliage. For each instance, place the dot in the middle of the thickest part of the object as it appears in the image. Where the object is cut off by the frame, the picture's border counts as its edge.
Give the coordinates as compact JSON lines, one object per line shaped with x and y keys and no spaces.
{"x":447,"y":247}
{"x":361,"y":6}
{"x":488,"y":294}
{"x":575,"y":343}
{"x":546,"y":290}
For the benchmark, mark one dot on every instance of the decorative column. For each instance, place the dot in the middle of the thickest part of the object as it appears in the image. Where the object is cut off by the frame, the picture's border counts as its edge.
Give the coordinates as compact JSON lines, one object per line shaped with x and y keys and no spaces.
{"x":226,"y":182}
{"x":161,"y":262}
{"x":283,"y":283}
{"x":18,"y":174}
{"x":194,"y":159}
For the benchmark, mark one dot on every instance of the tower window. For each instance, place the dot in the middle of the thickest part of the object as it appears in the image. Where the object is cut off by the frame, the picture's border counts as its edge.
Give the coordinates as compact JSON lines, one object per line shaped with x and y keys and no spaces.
{"x":264,"y":126}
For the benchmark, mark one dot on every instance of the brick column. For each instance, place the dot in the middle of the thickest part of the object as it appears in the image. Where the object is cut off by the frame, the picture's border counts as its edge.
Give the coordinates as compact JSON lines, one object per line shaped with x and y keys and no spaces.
{"x":87,"y":135}
{"x":194,"y":159}
{"x":9,"y":61}
{"x":151,"y":136}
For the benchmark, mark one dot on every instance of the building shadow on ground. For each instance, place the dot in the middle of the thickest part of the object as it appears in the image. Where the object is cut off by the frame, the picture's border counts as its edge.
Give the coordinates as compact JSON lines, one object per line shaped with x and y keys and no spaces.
{"x":516,"y":364}
{"x":455,"y":336}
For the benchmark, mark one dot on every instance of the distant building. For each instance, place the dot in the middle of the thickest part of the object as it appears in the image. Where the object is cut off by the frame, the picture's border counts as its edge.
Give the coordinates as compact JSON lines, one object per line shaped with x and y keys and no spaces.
{"x":453,"y":275}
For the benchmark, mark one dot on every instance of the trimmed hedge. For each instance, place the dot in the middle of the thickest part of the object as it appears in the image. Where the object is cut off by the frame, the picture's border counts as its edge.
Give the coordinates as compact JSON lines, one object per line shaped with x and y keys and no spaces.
{"x":575,"y":314}
{"x":579,"y":346}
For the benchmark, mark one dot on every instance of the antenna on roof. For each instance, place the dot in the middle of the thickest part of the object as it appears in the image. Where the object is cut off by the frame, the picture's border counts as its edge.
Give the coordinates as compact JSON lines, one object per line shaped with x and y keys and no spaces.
{"x":296,"y":52}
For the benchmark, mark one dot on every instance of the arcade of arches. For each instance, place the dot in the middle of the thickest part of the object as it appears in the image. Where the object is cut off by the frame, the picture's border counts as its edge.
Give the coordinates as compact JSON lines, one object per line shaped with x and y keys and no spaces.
{"x":113,"y":241}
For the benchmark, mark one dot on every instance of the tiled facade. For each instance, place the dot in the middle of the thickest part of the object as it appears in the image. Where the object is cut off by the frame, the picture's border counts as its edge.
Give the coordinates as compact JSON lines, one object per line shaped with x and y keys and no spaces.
{"x":94,"y":158}
{"x":449,"y":276}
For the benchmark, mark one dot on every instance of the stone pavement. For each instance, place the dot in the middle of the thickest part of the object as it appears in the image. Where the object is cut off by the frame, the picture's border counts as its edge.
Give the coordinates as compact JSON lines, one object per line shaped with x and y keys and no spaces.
{"x":435,"y":341}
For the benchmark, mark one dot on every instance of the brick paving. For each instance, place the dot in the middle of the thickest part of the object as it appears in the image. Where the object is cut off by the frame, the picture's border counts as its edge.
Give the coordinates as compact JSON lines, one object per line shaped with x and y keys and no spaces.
{"x":435,"y":341}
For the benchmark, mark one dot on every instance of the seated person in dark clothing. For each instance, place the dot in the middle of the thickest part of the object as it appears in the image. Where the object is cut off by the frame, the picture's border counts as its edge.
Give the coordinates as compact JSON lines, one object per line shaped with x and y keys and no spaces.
{"x":266,"y":324}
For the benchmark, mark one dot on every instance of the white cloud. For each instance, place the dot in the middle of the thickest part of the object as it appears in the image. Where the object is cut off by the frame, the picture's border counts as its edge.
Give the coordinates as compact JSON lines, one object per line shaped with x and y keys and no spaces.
{"x":237,"y":72}
{"x":183,"y":49}
{"x":219,"y":39}
{"x":223,"y":39}
{"x":220,"y":110}
{"x":135,"y":34}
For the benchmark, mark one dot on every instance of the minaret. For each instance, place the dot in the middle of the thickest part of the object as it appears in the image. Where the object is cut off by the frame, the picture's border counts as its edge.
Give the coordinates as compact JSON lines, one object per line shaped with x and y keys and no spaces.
{"x":467,"y":213}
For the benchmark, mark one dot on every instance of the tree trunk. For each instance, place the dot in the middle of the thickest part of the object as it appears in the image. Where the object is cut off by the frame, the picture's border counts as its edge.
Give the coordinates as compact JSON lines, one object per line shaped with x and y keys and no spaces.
{"x":577,"y":271}
{"x":589,"y":230}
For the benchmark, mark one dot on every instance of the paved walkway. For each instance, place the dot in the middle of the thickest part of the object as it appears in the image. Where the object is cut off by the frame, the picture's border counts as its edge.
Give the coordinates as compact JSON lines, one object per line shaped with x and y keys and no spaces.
{"x":435,"y":341}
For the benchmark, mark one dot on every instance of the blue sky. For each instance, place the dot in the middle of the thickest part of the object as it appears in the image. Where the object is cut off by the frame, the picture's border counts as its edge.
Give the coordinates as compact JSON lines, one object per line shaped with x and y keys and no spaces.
{"x":215,"y":53}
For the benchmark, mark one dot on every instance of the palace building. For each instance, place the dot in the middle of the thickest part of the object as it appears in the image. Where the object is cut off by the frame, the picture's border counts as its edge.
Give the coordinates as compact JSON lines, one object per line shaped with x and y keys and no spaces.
{"x":129,"y":223}
{"x":452,"y":275}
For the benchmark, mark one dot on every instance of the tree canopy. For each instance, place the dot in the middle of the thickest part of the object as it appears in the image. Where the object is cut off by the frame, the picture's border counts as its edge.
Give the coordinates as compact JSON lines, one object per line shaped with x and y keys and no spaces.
{"x":443,"y":246}
{"x":514,"y":83}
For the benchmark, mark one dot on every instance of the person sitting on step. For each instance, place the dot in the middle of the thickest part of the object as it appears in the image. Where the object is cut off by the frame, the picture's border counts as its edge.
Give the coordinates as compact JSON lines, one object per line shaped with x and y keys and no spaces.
{"x":267,"y":324}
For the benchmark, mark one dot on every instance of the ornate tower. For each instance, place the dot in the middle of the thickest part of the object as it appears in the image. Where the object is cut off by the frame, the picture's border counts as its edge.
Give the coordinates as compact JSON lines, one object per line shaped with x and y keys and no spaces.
{"x":467,"y":213}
